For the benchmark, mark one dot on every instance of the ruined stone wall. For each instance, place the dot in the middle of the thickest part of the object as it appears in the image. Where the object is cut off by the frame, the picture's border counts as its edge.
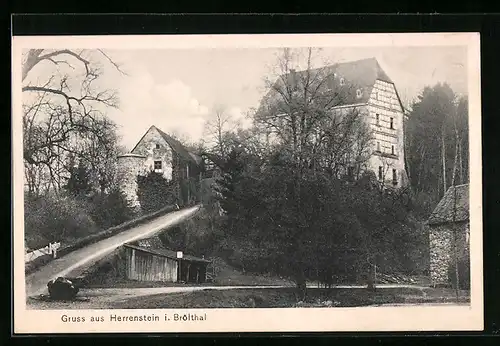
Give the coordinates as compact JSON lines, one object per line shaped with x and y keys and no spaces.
{"x":129,"y":166}
{"x":442,"y":249}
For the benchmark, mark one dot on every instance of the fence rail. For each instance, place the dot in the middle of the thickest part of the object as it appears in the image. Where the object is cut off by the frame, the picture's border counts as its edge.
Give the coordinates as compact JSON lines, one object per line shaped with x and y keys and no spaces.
{"x":50,"y":249}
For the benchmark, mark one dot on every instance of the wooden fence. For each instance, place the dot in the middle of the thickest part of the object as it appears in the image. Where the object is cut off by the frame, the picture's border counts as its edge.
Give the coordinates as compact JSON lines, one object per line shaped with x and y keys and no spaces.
{"x":50,"y":249}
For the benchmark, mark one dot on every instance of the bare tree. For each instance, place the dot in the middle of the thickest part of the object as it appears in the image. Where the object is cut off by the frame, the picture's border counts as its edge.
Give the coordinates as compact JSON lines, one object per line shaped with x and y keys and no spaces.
{"x":218,"y":130}
{"x":63,"y":111}
{"x":301,"y":112}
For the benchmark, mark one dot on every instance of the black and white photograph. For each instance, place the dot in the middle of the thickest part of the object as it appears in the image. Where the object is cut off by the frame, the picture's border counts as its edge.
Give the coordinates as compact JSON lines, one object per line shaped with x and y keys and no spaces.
{"x":183,"y":182}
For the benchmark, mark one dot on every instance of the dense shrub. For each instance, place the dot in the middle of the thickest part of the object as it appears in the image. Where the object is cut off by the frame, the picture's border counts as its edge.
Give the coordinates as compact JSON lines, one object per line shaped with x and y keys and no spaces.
{"x":51,"y":218}
{"x":110,"y":209}
{"x":154,"y":192}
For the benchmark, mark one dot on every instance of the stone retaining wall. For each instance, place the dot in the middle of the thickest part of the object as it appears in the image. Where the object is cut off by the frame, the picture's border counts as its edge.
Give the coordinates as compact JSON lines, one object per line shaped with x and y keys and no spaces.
{"x":442,"y":249}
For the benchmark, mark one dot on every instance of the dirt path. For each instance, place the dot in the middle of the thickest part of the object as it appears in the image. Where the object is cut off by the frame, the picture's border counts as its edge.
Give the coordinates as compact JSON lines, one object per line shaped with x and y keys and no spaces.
{"x":104,"y":298}
{"x":75,"y":263}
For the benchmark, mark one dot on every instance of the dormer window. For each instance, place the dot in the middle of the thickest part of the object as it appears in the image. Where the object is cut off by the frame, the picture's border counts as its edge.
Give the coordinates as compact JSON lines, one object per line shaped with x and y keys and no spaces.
{"x":359,"y":93}
{"x":342,"y":81}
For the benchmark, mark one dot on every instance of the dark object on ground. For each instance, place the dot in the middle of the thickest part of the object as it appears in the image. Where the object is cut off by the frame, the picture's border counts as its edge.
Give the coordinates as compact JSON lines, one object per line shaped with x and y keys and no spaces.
{"x":62,"y":289}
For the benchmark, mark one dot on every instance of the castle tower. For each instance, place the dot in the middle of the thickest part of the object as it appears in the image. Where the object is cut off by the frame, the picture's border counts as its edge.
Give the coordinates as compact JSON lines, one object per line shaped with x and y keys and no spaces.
{"x":129,"y":166}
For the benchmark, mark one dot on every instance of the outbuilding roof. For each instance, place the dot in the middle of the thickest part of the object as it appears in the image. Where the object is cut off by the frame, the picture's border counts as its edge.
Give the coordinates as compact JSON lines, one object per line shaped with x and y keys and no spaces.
{"x":166,"y":253}
{"x":453,"y":207}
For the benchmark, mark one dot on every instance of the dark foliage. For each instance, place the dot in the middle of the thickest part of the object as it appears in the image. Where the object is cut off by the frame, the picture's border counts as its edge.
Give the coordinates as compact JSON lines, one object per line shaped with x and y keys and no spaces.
{"x":154,"y":192}
{"x":110,"y":209}
{"x":78,"y":183}
{"x":52,"y":219}
{"x":316,"y":227}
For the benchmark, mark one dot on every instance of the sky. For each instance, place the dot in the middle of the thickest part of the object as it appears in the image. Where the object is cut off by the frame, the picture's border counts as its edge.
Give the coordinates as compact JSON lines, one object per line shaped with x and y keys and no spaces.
{"x":177,"y":90}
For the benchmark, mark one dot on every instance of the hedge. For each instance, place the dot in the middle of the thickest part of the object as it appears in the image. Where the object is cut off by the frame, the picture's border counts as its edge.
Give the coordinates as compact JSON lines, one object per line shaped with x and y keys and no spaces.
{"x":93,"y":238}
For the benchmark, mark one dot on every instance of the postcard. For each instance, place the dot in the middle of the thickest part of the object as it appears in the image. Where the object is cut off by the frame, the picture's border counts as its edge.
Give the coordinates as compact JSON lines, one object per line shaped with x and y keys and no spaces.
{"x":247,"y":183}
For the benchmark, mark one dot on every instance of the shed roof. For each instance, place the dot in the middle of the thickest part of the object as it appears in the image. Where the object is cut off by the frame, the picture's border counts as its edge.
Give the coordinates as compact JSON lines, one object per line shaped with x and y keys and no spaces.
{"x":453,"y":207}
{"x":166,"y":253}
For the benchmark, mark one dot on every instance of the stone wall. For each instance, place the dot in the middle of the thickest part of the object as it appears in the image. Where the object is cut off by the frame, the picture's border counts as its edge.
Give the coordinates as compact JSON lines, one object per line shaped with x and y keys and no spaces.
{"x":442,"y":249}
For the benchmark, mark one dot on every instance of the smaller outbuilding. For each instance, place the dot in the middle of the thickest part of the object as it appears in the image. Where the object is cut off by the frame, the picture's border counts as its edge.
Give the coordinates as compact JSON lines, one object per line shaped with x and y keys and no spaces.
{"x":163,"y":265}
{"x":449,"y":233}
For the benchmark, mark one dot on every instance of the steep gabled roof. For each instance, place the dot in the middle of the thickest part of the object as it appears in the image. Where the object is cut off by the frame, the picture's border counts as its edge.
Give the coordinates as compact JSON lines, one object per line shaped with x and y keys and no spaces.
{"x":216,"y":159}
{"x":177,"y":146}
{"x":359,"y":74}
{"x":454,"y":206}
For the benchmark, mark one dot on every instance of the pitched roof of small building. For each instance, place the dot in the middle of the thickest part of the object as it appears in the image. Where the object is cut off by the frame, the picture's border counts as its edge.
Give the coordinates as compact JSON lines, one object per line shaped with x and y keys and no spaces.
{"x":453,"y":207}
{"x":175,"y":145}
{"x":166,"y":253}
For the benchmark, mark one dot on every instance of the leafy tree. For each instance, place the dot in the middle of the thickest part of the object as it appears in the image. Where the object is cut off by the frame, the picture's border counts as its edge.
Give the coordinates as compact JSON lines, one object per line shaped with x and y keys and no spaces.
{"x":437,"y":141}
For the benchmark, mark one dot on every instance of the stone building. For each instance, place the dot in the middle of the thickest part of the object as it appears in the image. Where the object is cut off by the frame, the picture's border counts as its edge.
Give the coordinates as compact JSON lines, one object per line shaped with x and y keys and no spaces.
{"x":159,"y":152}
{"x":364,"y":87}
{"x":449,"y":233}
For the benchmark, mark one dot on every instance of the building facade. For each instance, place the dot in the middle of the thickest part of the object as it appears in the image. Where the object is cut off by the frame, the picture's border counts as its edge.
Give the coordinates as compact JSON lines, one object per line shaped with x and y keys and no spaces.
{"x":159,"y":152}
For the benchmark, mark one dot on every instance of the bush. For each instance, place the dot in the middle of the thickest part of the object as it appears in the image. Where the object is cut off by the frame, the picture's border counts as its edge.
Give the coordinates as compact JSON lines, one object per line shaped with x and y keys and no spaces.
{"x":51,"y":218}
{"x":154,"y":192}
{"x":111,"y":209}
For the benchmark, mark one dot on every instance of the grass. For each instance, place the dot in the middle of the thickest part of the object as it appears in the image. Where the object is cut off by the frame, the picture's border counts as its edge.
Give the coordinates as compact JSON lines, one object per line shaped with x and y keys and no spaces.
{"x":286,"y":297}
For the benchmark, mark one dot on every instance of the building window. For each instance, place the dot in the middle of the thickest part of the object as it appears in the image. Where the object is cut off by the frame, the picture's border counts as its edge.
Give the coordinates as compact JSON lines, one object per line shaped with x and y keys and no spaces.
{"x":392,"y":149}
{"x":358,"y":93}
{"x":377,"y":119}
{"x":380,"y":173}
{"x":342,"y":81}
{"x":394,"y":177}
{"x":392,"y":123}
{"x":157,"y":146}
{"x":157,"y":166}
{"x":378,"y":146}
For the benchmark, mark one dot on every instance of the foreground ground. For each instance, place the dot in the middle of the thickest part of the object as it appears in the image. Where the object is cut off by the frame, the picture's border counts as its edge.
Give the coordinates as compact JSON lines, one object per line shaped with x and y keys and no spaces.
{"x":248,"y":297}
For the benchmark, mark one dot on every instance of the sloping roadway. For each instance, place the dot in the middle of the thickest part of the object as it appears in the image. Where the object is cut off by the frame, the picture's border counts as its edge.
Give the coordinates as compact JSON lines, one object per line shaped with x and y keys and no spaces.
{"x":75,"y":263}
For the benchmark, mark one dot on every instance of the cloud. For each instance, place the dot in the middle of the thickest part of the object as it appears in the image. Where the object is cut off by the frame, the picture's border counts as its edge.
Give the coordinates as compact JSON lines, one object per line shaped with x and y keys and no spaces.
{"x":171,"y":106}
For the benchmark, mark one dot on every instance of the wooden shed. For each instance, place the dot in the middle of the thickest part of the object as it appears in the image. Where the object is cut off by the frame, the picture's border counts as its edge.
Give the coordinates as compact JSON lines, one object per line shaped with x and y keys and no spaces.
{"x":148,"y":264}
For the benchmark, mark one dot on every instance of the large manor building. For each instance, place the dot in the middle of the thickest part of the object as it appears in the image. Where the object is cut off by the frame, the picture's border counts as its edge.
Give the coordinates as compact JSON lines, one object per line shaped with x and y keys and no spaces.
{"x":365,"y":87}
